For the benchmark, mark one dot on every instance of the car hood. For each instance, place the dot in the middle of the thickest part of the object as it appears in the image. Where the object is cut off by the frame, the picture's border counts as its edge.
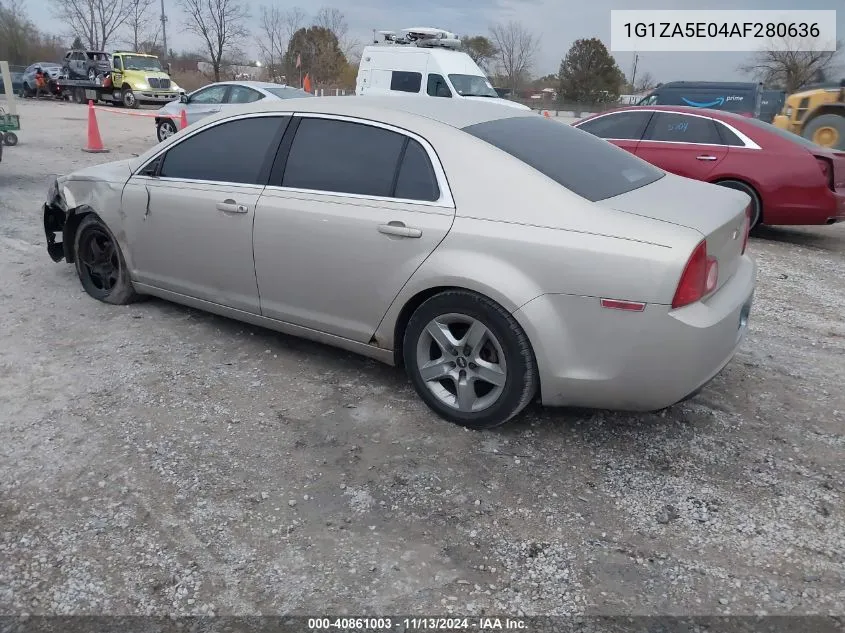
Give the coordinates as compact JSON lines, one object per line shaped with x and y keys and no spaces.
{"x":174,"y":107}
{"x":506,"y":102}
{"x":98,"y":186}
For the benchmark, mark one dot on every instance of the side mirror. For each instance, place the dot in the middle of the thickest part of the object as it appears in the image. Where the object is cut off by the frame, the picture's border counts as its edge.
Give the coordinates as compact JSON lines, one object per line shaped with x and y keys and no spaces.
{"x":183,"y":98}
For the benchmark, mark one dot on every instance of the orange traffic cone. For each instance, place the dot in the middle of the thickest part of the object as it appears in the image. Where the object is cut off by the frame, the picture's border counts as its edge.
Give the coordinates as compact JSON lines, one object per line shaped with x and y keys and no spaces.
{"x":95,"y":143}
{"x":183,"y":120}
{"x":546,"y":114}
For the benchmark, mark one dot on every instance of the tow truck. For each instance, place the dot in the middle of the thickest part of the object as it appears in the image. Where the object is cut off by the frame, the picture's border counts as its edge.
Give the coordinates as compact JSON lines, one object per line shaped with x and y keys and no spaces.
{"x":135,"y":78}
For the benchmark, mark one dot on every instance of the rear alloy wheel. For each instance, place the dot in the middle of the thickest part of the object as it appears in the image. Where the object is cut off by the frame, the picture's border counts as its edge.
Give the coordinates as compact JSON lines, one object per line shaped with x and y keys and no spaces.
{"x":165,"y":129}
{"x":129,"y":99}
{"x":756,"y":204}
{"x":100,"y":264}
{"x":469,"y":360}
{"x":827,"y":130}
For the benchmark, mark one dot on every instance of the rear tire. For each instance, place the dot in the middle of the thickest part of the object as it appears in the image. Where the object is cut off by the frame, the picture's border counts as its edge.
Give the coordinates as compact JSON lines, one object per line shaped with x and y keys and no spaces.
{"x":827,"y":130}
{"x":10,"y":139}
{"x":756,"y":203}
{"x":100,"y":264}
{"x":469,"y":360}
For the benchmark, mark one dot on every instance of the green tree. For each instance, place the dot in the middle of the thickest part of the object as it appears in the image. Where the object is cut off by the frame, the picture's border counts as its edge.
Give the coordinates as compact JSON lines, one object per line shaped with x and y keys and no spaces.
{"x":77,"y":44}
{"x":589,"y":74}
{"x":320,"y":53}
{"x":480,"y":48}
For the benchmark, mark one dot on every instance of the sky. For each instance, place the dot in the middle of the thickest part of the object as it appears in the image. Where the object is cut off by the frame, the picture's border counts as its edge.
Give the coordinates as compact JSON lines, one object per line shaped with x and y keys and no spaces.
{"x":558,"y":23}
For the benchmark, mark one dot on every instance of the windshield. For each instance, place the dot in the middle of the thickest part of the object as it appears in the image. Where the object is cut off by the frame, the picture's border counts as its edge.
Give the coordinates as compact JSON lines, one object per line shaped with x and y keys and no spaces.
{"x":473,"y":86}
{"x":288,"y":93}
{"x":138,"y":62}
{"x":585,"y":164}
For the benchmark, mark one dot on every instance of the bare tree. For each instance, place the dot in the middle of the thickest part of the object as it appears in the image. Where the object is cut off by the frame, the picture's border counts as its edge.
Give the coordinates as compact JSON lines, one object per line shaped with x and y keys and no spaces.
{"x":94,"y":21}
{"x":644,"y":83}
{"x":517,"y":48}
{"x":786,"y":66}
{"x":142,"y":23}
{"x":220,"y":24}
{"x":277,"y":27}
{"x":293,"y":19}
{"x":335,"y":21}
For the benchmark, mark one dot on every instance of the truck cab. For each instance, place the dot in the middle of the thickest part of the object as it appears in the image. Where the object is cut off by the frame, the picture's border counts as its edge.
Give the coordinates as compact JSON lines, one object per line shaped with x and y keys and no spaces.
{"x":138,"y":78}
{"x":424,"y":62}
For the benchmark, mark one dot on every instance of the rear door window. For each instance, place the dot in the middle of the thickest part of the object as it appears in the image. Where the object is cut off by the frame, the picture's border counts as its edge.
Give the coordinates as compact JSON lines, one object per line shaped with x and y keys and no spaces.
{"x":583,"y":163}
{"x":343,"y":157}
{"x":628,"y":125}
{"x":405,"y":81}
{"x":674,"y":127}
{"x":416,"y":179}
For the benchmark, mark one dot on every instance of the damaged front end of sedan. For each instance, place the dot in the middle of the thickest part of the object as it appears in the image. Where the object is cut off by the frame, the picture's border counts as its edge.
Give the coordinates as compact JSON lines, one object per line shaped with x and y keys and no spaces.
{"x":56,"y":223}
{"x":69,"y":199}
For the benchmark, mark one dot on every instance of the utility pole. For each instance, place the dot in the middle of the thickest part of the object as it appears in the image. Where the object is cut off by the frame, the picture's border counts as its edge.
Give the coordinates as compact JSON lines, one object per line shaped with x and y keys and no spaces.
{"x":633,"y":71}
{"x":164,"y":30}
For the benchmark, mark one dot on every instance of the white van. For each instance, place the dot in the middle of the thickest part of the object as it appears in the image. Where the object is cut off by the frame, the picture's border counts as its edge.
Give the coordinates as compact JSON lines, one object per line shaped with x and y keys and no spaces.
{"x":424,"y":62}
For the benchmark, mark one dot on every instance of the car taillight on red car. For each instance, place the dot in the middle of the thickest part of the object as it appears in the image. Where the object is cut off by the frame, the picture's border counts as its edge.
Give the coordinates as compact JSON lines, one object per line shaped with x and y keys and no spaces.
{"x":700,"y":277}
{"x":826,"y":166}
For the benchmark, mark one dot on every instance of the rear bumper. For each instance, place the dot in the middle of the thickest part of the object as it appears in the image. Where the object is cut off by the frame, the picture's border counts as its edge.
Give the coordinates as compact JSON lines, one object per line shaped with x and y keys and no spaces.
{"x":635,"y":361}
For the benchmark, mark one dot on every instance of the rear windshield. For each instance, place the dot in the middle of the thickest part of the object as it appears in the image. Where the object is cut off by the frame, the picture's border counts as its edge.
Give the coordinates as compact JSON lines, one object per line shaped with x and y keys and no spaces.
{"x":787,"y":136}
{"x":585,"y":164}
{"x":288,"y":93}
{"x":728,"y":100}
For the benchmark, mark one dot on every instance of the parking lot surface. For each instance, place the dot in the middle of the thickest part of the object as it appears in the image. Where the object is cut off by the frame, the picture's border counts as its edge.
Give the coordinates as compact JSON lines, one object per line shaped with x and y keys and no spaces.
{"x":156,"y":459}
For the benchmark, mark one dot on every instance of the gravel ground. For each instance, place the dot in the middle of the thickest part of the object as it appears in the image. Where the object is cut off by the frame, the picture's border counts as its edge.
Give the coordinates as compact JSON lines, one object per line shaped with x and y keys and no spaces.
{"x":158,"y":460}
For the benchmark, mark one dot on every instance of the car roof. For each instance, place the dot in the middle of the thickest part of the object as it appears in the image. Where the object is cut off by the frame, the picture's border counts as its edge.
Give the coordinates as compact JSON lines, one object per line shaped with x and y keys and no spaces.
{"x":400,"y":111}
{"x":252,"y":84}
{"x":715,"y":114}
{"x":456,"y":113}
{"x":709,"y":84}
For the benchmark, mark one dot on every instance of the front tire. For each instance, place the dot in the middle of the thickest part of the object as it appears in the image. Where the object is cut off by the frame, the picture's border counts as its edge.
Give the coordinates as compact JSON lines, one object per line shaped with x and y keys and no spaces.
{"x":129,"y":100}
{"x":469,"y":360}
{"x":100,"y":264}
{"x":165,"y":129}
{"x":10,"y":139}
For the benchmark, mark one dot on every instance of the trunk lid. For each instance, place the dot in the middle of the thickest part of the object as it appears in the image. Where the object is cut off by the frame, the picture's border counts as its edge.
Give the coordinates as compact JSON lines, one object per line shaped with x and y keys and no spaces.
{"x":717,"y":213}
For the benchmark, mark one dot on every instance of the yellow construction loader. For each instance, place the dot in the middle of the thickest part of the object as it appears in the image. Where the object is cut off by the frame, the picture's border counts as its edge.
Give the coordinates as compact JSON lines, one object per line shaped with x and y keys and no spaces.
{"x":816,"y":113}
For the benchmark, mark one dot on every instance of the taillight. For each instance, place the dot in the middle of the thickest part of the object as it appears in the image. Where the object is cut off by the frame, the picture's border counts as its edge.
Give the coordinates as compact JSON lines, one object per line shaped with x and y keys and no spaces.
{"x":748,"y":213}
{"x":826,"y":166}
{"x":700,"y":277}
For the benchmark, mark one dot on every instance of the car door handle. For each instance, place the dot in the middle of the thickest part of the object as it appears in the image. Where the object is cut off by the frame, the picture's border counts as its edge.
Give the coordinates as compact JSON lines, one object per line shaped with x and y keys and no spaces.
{"x":706,"y":157}
{"x":399,"y":229}
{"x":230,"y":206}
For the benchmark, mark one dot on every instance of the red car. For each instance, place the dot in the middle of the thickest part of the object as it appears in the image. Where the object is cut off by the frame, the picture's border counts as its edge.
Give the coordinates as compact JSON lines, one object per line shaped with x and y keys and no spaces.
{"x":790,"y":179}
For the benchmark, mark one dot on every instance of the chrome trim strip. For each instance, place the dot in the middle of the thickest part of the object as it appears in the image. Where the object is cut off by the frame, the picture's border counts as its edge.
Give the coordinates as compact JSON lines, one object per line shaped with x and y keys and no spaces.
{"x":445,"y":201}
{"x":747,"y":142}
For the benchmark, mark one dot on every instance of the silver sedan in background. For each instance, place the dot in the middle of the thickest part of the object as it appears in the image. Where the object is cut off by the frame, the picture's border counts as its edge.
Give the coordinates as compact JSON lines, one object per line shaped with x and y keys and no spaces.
{"x":496,"y":254}
{"x":217,"y":97}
